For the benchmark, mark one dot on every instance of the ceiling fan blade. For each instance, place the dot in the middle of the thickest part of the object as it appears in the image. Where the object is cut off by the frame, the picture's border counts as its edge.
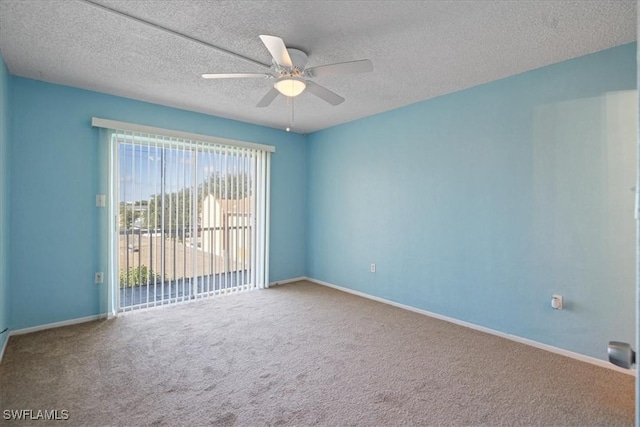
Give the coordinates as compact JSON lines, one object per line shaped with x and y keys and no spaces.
{"x":268,"y":98}
{"x":236,"y":76}
{"x":362,"y":66}
{"x":278,"y":50}
{"x":324,"y":93}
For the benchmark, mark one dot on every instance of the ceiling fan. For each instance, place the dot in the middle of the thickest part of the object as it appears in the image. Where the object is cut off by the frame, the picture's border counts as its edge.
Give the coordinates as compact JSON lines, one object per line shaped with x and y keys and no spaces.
{"x":292,"y":78}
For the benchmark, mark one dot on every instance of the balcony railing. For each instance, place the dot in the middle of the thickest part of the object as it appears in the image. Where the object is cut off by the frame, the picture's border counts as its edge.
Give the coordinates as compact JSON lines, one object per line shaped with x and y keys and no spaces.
{"x":180,"y":264}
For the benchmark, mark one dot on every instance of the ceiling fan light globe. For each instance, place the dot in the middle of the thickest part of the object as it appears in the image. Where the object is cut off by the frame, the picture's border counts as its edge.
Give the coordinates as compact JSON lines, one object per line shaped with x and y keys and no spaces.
{"x":290,"y":86}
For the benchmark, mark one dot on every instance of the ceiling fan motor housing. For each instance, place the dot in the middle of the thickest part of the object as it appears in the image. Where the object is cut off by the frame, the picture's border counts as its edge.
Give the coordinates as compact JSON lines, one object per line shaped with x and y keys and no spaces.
{"x":299,"y":59}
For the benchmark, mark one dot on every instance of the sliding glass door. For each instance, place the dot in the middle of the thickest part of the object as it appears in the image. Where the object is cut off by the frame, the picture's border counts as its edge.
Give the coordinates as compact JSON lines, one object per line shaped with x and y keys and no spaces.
{"x":191,"y":219}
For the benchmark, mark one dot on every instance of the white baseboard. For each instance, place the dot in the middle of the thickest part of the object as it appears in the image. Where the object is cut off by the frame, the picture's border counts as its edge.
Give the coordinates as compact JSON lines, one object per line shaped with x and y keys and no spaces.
{"x":550,"y":348}
{"x":282,"y":282}
{"x":55,"y":325}
{"x":101,"y":316}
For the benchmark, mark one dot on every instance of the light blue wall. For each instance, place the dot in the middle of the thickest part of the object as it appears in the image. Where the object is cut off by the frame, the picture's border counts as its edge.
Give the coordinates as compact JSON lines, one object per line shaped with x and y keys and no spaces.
{"x":479,"y":205}
{"x":54,"y":180}
{"x":4,"y":200}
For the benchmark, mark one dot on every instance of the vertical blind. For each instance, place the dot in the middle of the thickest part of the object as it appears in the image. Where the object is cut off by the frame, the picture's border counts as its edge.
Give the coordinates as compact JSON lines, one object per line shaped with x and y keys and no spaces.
{"x":190,"y":215}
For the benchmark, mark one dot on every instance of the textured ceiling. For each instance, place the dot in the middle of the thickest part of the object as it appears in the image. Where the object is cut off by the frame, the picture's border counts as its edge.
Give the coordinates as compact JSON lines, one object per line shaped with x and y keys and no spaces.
{"x":419,"y":50}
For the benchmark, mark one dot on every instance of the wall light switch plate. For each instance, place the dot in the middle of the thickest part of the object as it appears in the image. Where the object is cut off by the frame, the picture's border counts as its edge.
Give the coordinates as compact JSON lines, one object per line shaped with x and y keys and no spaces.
{"x":99,"y":277}
{"x":101,"y":200}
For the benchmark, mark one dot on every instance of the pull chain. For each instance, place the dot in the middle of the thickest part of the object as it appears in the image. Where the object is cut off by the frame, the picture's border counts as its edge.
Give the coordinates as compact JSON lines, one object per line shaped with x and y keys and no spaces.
{"x":289,"y":113}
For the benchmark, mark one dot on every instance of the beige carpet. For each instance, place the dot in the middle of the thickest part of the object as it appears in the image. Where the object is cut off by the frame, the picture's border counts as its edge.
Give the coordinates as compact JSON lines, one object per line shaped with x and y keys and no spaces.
{"x":300,"y":354}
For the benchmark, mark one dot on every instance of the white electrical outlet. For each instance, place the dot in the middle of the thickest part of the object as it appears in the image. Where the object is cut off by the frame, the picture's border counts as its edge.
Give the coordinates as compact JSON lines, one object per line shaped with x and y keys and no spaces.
{"x":556,"y":302}
{"x":99,"y":277}
{"x":372,"y":268}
